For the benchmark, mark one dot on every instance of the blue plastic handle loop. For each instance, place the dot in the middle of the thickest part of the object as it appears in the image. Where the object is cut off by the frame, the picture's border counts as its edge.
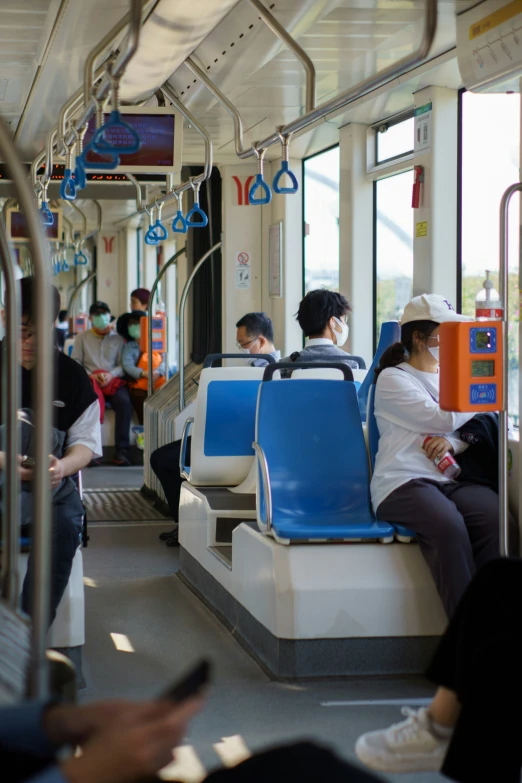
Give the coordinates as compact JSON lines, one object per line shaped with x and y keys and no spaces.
{"x":80,"y":259}
{"x":102,"y":146}
{"x":65,"y":265}
{"x":150,"y":237}
{"x":196,"y":211}
{"x":46,"y":214}
{"x":180,"y":218}
{"x":68,"y":186}
{"x":282,"y":171}
{"x":103,"y":165}
{"x":80,"y":177}
{"x":259,"y":182}
{"x":159,"y":230}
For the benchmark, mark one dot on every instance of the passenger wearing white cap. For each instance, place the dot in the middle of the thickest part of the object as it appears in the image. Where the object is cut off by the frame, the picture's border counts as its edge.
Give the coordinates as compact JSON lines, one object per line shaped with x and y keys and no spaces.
{"x":456,"y":522}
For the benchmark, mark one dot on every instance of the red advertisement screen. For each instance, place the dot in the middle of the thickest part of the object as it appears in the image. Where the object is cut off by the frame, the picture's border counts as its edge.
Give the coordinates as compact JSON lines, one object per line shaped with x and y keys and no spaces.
{"x":19,"y":229}
{"x":156,"y":132}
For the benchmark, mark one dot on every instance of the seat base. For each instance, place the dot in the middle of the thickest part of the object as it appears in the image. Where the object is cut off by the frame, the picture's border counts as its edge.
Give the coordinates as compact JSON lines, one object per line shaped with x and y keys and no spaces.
{"x":220,"y":509}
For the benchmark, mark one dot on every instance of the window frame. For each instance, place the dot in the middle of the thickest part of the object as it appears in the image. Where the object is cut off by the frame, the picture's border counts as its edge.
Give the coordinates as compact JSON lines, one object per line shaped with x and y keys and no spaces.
{"x":389,"y":123}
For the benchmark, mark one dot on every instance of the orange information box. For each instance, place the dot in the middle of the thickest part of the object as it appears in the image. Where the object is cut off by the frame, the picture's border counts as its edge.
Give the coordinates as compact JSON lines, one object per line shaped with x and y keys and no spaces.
{"x":159,"y":333}
{"x":78,"y":324}
{"x":471,"y":366}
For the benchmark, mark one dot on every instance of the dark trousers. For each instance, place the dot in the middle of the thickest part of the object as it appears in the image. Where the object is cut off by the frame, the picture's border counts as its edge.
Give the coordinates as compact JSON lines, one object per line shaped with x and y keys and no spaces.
{"x":138,"y":397}
{"x":121,"y":404}
{"x":165,"y":464}
{"x":67,"y":528}
{"x":479,"y":658}
{"x":457,"y":525}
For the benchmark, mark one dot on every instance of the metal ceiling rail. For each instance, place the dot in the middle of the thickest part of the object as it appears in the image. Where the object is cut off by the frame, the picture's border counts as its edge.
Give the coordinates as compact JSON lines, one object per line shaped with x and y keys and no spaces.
{"x":278,"y":29}
{"x":334,"y":104}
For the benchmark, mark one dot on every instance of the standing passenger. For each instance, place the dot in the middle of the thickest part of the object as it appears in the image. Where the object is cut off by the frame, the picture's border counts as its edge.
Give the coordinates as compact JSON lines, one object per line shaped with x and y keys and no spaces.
{"x":99,"y":350}
{"x":457,"y":523}
{"x":139,"y":299}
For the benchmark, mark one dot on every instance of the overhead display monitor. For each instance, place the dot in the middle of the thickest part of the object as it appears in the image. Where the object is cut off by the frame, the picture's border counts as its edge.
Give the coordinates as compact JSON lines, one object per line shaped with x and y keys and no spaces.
{"x":161,"y":133}
{"x":18,"y":231}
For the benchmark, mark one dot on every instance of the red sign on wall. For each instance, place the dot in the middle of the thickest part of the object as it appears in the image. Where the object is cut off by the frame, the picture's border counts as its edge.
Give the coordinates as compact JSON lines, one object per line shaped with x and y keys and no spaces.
{"x":242,"y":190}
{"x":109,"y":245}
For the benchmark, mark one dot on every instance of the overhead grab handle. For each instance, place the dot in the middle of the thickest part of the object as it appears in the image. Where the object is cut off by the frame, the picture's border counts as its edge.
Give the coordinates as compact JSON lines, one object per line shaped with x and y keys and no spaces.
{"x":150,"y":236}
{"x":196,"y":210}
{"x":179,"y":224}
{"x":285,"y":170}
{"x":259,"y":182}
{"x":112,"y":159}
{"x":80,"y":178}
{"x":80,"y":259}
{"x":158,"y":227}
{"x":105,"y":140}
{"x":45,"y":213}
{"x":68,"y":184}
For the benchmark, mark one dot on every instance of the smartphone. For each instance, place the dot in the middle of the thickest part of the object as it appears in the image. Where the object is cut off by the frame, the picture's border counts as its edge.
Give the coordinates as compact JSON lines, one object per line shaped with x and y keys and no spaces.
{"x":191,"y":685}
{"x":28,"y":462}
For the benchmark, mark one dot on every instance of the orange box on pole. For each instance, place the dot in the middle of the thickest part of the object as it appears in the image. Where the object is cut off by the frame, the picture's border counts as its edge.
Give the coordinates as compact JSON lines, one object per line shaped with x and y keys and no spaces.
{"x":159,"y":333}
{"x":471,"y":366}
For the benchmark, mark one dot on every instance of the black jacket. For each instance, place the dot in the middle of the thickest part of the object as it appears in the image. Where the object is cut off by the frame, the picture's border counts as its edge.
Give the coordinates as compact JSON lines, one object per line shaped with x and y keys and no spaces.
{"x":479,"y":463}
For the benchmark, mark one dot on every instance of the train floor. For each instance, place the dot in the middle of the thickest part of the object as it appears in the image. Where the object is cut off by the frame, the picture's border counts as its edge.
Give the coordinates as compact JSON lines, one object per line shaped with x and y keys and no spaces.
{"x":144,"y":628}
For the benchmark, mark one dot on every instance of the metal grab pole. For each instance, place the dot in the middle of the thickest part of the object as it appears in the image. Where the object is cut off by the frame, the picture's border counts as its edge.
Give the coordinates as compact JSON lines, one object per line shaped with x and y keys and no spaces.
{"x":503,"y":417}
{"x":42,"y":397}
{"x":294,"y":47}
{"x":10,"y":405}
{"x":150,"y":384}
{"x":182,"y":306}
{"x":76,"y":293}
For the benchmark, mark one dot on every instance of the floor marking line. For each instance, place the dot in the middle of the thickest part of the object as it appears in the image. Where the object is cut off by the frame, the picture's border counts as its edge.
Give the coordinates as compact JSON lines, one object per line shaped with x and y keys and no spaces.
{"x":232,"y":750}
{"x":378,"y":703}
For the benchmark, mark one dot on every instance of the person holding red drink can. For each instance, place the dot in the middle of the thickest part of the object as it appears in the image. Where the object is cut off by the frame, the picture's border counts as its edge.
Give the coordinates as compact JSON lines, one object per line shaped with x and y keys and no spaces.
{"x":415,"y":480}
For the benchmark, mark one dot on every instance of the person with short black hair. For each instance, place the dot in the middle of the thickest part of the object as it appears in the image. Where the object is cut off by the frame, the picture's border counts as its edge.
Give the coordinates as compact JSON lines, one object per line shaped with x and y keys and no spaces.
{"x":136,"y":362}
{"x":255,"y":335}
{"x":99,"y":350}
{"x":322,"y":317}
{"x":76,"y":419}
{"x":139,"y":299}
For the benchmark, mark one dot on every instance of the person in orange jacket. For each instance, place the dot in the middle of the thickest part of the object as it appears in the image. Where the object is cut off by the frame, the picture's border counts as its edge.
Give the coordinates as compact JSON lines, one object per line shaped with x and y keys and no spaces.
{"x":136,"y":363}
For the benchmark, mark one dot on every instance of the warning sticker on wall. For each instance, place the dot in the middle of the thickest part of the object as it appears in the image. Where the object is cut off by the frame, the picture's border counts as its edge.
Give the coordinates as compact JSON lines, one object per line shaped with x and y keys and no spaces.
{"x":242,"y":258}
{"x":421,"y":229}
{"x":243,"y":277}
{"x":423,"y":115}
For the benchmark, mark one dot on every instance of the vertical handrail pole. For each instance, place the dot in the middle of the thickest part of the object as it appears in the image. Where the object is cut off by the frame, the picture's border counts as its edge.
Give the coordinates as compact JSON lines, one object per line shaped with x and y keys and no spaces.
{"x":503,"y":416}
{"x":150,"y":384}
{"x":10,"y":405}
{"x":278,"y":29}
{"x":182,"y":306}
{"x":42,"y":402}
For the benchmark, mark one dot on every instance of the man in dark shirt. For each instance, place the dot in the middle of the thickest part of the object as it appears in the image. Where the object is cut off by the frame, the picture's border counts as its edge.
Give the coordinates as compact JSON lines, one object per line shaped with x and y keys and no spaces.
{"x":76,"y":416}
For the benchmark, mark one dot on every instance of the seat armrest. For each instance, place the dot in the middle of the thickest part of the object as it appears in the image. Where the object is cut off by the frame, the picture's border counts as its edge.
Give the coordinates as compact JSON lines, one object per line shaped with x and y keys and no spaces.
{"x":261,"y":460}
{"x":184,"y":469}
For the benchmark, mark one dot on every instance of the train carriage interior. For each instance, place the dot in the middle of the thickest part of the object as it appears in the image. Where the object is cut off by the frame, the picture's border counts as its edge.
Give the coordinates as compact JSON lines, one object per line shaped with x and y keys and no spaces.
{"x":216,"y":160}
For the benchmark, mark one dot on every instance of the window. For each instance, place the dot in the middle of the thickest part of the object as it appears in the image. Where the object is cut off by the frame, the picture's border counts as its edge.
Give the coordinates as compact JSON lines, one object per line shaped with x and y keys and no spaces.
{"x":393,"y":246}
{"x":321,"y":218}
{"x":396,"y":140}
{"x":490,"y":163}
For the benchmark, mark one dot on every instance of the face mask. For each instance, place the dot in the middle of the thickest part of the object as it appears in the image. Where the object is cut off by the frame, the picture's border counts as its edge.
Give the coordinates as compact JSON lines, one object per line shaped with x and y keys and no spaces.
{"x":434,"y":352}
{"x":135,"y":331}
{"x":101,"y":321}
{"x":341,"y":338}
{"x":247,"y":350}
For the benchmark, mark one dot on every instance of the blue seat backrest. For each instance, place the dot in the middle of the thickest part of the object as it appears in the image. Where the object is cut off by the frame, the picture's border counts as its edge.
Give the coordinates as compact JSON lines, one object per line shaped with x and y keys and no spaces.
{"x":312,"y":437}
{"x":230,"y":418}
{"x":371,"y":427}
{"x":390,"y":333}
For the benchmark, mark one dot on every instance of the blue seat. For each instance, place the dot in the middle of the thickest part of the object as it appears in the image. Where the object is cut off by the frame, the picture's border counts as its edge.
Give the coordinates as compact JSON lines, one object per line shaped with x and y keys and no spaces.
{"x":403,"y":534}
{"x":312,"y":463}
{"x":390,"y":333}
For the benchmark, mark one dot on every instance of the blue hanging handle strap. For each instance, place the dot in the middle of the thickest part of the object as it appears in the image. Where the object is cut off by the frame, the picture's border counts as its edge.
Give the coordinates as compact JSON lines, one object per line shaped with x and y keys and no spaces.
{"x":259,"y":182}
{"x":150,"y":236}
{"x":80,"y":259}
{"x":68,"y":185}
{"x":101,"y":140}
{"x":179,"y":224}
{"x":158,"y":227}
{"x":196,"y":211}
{"x":285,"y":170}
{"x":46,"y":215}
{"x":112,"y":159}
{"x":80,"y":178}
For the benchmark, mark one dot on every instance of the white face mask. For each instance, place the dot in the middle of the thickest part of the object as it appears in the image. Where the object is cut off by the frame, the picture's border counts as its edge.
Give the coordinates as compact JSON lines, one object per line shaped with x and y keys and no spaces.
{"x":342,"y":336}
{"x":246,"y":350}
{"x":434,"y":352}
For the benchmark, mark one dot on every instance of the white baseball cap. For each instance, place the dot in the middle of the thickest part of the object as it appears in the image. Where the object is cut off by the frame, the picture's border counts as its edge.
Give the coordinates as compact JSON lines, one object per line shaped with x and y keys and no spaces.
{"x":431,"y":307}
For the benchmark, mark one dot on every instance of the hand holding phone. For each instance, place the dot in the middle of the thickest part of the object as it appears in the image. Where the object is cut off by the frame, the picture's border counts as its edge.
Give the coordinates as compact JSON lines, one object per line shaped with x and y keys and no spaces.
{"x":191,"y":685}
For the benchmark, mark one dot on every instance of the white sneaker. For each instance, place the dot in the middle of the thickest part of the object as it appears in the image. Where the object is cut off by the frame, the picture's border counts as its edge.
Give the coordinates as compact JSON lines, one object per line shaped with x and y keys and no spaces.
{"x":410,"y":746}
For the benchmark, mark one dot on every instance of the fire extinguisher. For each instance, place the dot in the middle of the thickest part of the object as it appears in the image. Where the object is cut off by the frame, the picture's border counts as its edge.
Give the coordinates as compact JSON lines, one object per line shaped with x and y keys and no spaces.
{"x":418,"y":179}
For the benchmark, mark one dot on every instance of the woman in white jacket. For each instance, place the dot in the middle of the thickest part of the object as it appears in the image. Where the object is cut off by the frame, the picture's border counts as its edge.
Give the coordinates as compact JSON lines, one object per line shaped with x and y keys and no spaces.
{"x":457,"y":523}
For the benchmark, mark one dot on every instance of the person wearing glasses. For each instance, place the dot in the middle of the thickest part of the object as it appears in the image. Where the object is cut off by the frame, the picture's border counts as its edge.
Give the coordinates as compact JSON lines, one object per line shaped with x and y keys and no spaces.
{"x":456,"y":521}
{"x":255,"y":336}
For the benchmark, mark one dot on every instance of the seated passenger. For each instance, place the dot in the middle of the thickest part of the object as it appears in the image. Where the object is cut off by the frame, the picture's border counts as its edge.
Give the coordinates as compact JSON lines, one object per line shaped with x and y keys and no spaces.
{"x":139,"y":299}
{"x":136,"y":363}
{"x":61,"y":330}
{"x":322,"y":317}
{"x":457,"y":522}
{"x":99,"y":351}
{"x":255,"y":334}
{"x":76,"y":425}
{"x":477,"y":669}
